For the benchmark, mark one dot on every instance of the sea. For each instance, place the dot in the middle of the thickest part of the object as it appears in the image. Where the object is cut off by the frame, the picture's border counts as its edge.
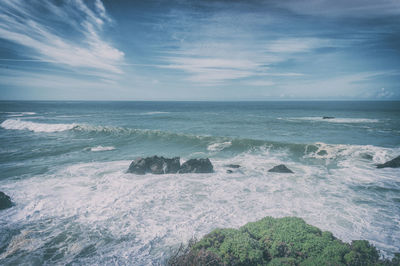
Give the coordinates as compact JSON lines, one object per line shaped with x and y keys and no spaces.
{"x":64,"y":164}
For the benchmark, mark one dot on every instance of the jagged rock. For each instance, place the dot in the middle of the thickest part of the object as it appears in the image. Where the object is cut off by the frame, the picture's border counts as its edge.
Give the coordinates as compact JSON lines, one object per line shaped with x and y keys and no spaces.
{"x":155,"y":165}
{"x":232,"y":166}
{"x":197,"y":166}
{"x":395,"y":163}
{"x":328,"y":117}
{"x":280,"y":169}
{"x":5,"y":201}
{"x":229,"y":171}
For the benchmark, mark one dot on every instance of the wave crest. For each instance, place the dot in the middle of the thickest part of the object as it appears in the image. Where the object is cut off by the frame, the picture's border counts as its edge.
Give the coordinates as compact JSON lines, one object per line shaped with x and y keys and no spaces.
{"x":16,"y":124}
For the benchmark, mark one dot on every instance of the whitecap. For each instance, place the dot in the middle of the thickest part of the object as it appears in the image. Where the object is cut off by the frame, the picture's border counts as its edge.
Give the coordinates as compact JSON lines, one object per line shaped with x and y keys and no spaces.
{"x":154,"y":113}
{"x":219,"y":146}
{"x":16,"y":124}
{"x":101,"y":148}
{"x":333,"y":120}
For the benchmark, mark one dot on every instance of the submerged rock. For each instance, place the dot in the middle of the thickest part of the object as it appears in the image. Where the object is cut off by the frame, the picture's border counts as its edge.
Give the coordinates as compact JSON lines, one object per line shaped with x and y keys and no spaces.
{"x":197,"y":166}
{"x":277,"y":241}
{"x":328,"y":117}
{"x":233,"y":166}
{"x":229,"y":171}
{"x":395,"y":163}
{"x":280,"y":169}
{"x":155,"y":165}
{"x":5,"y":201}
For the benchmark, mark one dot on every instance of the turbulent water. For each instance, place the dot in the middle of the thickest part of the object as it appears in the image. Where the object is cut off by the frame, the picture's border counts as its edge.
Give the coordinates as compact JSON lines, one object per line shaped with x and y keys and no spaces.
{"x":64,"y":166}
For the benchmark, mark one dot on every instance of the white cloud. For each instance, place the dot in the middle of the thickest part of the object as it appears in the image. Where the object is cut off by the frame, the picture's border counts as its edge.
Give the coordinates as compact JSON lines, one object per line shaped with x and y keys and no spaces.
{"x":343,"y":8}
{"x":296,"y":45}
{"x":89,"y":51}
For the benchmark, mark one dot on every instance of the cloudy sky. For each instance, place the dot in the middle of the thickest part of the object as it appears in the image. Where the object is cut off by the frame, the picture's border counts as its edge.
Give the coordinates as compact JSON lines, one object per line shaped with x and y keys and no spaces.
{"x":199,"y":50}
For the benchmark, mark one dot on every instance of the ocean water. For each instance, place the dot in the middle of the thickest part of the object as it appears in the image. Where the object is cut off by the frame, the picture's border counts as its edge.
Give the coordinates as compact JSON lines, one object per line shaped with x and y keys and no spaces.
{"x":64,"y":165}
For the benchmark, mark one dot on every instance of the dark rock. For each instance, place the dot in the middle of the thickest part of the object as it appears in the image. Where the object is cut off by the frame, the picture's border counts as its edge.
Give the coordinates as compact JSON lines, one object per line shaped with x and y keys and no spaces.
{"x":395,"y":163}
{"x":229,"y":171}
{"x":328,"y":117}
{"x":5,"y":201}
{"x":280,"y":169}
{"x":155,"y":165}
{"x":138,"y":166}
{"x":197,"y":166}
{"x":367,"y":156}
{"x":322,"y":152}
{"x":232,"y":166}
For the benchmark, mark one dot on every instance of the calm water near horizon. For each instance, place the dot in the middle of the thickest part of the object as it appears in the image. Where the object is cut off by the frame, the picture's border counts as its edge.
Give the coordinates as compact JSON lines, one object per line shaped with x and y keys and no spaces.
{"x":64,"y":165}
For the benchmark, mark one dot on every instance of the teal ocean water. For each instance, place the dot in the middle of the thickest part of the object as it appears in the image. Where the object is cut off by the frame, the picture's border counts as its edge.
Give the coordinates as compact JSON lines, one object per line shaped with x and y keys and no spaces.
{"x":64,"y":165}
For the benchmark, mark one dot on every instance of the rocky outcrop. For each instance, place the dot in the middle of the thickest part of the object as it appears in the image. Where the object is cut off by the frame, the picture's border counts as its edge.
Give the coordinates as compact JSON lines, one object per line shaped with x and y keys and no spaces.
{"x":155,"y":165}
{"x":280,"y":169}
{"x":197,"y":166}
{"x":395,"y":163}
{"x":328,"y":117}
{"x":160,"y":165}
{"x":5,"y":201}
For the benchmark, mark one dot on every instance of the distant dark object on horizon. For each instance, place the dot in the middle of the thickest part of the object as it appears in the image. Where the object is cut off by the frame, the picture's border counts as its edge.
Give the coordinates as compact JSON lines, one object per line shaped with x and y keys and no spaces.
{"x":328,"y":117}
{"x":5,"y":201}
{"x":160,"y":165}
{"x":280,"y":169}
{"x":395,"y":163}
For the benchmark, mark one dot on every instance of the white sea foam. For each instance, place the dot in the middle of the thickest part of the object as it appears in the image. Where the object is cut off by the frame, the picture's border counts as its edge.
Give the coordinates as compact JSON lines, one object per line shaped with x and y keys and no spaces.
{"x":101,"y":148}
{"x":334,"y":120}
{"x":17,"y":124}
{"x":219,"y":146}
{"x":17,"y":114}
{"x":146,"y":215}
{"x":154,"y":113}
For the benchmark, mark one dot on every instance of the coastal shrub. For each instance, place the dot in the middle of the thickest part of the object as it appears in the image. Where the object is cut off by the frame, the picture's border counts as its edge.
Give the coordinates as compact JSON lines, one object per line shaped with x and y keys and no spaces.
{"x":279,"y":241}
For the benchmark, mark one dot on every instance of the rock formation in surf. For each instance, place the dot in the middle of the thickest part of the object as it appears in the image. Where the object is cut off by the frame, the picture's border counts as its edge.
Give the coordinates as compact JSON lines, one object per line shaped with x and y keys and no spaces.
{"x":395,"y":163}
{"x":280,"y":169}
{"x":197,"y":166}
{"x":161,"y":165}
{"x":155,"y":165}
{"x":5,"y":201}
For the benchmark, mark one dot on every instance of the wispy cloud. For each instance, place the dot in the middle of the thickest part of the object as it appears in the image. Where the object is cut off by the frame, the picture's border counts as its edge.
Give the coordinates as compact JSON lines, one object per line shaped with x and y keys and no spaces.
{"x":344,"y":8}
{"x":296,"y":45}
{"x":20,"y":23}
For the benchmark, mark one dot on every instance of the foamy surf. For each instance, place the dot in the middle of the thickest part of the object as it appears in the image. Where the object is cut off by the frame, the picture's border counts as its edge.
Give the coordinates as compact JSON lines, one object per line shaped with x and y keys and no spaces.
{"x":147,"y":215}
{"x":101,"y":148}
{"x":219,"y":146}
{"x":333,"y":120}
{"x":16,"y":124}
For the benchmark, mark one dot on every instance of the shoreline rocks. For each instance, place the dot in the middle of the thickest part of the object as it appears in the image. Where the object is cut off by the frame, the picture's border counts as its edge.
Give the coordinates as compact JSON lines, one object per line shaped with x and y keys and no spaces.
{"x":160,"y":165}
{"x":328,"y":117}
{"x":280,"y":169}
{"x":155,"y":165}
{"x":196,"y":166}
{"x":395,"y":163}
{"x":5,"y":201}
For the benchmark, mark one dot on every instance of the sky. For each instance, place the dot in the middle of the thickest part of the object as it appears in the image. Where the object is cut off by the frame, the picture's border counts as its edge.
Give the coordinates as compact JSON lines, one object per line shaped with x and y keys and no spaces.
{"x":199,"y":50}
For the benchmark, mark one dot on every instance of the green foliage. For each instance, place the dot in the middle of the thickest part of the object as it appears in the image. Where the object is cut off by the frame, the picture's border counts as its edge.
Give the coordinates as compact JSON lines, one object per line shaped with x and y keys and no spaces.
{"x":362,"y":253}
{"x":233,"y":247}
{"x":283,"y":241}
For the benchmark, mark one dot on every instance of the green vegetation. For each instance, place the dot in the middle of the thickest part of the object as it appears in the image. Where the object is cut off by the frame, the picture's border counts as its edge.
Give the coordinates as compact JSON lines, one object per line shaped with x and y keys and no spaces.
{"x":277,"y":241}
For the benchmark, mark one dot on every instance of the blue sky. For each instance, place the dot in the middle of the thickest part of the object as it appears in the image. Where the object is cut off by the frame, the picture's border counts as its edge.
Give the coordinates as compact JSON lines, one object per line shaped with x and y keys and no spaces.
{"x":199,"y":50}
